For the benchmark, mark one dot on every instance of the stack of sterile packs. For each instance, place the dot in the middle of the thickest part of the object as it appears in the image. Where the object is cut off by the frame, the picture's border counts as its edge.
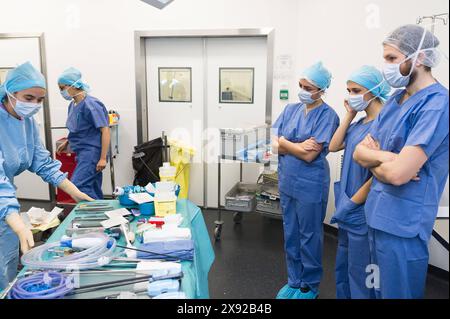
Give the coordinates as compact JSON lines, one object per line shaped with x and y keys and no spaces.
{"x":169,"y":250}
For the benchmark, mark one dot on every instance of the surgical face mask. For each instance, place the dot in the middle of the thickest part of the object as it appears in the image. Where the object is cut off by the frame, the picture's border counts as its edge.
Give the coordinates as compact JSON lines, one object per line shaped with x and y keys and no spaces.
{"x":393,"y":75}
{"x":25,"y":109}
{"x":306,"y":97}
{"x":357,"y":102}
{"x":65,"y":94}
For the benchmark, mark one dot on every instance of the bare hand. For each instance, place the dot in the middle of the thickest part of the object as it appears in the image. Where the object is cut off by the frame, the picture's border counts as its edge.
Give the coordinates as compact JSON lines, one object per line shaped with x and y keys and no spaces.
{"x":101,"y":165}
{"x":62,"y":147}
{"x":371,"y":143}
{"x":311,"y":145}
{"x":350,"y":112}
{"x":281,"y":141}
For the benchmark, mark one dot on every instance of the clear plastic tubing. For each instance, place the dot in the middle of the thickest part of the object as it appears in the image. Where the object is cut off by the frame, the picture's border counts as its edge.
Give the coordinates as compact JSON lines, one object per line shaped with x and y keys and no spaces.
{"x":96,"y":256}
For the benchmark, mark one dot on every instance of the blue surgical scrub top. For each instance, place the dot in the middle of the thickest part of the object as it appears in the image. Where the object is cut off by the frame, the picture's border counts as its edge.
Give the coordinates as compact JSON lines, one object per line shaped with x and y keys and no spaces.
{"x":422,"y":120}
{"x":297,"y":178}
{"x":350,"y":215}
{"x":84,"y":122}
{"x":21,"y":149}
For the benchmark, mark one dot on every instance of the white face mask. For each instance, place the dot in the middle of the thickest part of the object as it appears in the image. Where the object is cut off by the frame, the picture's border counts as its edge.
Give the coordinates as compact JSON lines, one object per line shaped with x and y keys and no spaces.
{"x":25,"y":109}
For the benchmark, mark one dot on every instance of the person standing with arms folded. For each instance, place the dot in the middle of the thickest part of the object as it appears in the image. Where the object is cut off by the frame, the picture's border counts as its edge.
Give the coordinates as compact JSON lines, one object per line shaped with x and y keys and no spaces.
{"x":303,"y":132}
{"x":407,"y":152}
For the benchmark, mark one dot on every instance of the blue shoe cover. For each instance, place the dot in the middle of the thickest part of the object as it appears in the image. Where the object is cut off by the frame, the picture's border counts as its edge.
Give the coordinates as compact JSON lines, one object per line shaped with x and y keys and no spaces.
{"x":287,"y":292}
{"x":306,"y":295}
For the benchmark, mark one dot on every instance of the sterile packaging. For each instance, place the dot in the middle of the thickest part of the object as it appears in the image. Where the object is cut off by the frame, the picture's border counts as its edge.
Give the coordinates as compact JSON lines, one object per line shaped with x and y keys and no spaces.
{"x":167,"y":234}
{"x":163,"y":286}
{"x":175,"y":219}
{"x":156,"y":269}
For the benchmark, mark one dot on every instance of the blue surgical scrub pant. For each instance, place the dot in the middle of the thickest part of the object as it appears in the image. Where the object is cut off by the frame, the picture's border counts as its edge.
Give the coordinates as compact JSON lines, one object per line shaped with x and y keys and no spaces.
{"x":9,"y":254}
{"x":352,"y":259}
{"x":402,"y":262}
{"x":303,"y":241}
{"x":85,"y":176}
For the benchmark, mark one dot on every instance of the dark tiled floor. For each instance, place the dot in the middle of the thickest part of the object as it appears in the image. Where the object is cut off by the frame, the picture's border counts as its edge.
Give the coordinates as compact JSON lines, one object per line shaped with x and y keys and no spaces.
{"x":250,"y":259}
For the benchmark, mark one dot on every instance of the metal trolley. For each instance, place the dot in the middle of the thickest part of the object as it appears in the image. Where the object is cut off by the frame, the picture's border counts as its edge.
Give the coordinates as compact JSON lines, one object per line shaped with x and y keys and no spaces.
{"x":243,"y":146}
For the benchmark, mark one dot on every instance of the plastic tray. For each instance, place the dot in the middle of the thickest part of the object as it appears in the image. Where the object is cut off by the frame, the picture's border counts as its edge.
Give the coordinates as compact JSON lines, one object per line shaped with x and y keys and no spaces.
{"x":242,"y":198}
{"x":268,"y":207}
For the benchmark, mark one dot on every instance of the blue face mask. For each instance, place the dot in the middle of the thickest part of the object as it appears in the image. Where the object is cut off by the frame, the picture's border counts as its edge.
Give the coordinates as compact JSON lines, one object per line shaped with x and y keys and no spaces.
{"x":394,"y":76}
{"x":306,"y":97}
{"x":357,"y":102}
{"x":25,"y":109}
{"x":65,"y":94}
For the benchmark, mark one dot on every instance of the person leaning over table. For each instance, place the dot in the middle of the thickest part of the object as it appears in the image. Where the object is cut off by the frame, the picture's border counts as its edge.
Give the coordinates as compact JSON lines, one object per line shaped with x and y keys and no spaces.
{"x":21,"y":97}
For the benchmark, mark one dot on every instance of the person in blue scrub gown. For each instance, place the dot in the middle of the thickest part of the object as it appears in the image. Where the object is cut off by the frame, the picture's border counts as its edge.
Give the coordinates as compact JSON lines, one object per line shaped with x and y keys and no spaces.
{"x":21,"y":97}
{"x":89,"y":134}
{"x":407,"y":152}
{"x":303,"y":132}
{"x":367,"y":93}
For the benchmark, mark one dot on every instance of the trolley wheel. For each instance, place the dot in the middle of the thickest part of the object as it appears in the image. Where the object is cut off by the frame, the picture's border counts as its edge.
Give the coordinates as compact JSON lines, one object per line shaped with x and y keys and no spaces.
{"x":237,"y":217}
{"x":217,"y":232}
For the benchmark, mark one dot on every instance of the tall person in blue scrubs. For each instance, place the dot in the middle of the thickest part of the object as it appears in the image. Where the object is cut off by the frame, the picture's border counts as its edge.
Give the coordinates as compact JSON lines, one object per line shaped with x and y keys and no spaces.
{"x":22,"y":96}
{"x":367,"y":93}
{"x":303,"y":132}
{"x":89,"y":133}
{"x":407,"y":152}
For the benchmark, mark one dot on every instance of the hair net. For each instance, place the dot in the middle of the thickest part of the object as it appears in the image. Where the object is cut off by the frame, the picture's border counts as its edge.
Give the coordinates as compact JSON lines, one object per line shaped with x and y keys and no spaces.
{"x":318,"y":75}
{"x":412,"y":38}
{"x":72,"y":77}
{"x":372,"y":79}
{"x":23,"y":77}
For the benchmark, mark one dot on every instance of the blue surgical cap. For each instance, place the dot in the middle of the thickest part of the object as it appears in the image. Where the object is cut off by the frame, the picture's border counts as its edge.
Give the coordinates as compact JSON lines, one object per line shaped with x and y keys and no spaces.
{"x":318,"y":75}
{"x":372,"y":79}
{"x":23,"y":77}
{"x":72,"y":77}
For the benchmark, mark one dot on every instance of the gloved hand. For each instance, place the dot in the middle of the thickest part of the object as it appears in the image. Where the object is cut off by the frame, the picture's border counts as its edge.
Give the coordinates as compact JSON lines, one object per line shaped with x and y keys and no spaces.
{"x":23,"y":232}
{"x":68,"y":187}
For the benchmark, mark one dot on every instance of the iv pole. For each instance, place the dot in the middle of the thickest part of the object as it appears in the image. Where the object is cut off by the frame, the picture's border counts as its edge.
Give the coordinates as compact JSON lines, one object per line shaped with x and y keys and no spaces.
{"x":442,"y":17}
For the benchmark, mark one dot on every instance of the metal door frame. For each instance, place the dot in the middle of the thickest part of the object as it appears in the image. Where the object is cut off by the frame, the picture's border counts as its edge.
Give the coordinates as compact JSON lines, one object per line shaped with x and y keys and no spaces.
{"x":140,"y":38}
{"x":47,"y":119}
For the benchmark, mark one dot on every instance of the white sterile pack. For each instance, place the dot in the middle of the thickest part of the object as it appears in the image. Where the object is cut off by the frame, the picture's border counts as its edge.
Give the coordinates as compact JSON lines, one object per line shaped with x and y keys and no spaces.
{"x":141,"y":198}
{"x":167,"y":234}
